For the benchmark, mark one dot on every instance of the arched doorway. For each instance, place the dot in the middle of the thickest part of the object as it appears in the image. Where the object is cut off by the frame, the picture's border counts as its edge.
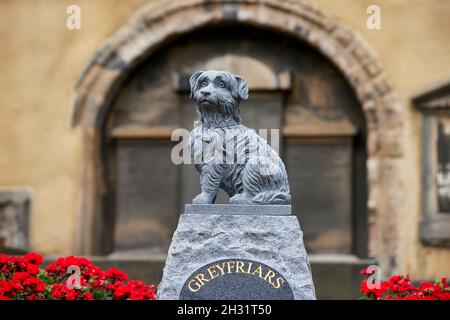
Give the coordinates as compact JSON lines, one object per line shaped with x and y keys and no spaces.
{"x":378,"y":136}
{"x":301,"y":93}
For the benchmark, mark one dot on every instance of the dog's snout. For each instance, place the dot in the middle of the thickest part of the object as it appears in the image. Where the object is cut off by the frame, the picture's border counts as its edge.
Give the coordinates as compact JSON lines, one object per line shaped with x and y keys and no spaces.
{"x":205,"y":92}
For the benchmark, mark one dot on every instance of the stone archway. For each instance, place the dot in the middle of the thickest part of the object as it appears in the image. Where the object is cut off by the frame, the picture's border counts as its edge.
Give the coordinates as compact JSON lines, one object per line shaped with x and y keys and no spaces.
{"x":157,"y":23}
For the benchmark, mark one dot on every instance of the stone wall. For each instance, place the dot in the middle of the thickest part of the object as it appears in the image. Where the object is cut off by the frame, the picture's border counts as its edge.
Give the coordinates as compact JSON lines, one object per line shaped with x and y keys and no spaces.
{"x":14,"y":219}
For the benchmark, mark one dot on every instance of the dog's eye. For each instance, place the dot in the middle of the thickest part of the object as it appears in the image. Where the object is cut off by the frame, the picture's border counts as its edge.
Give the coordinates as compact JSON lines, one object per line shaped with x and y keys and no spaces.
{"x":221,"y":84}
{"x":204,"y":83}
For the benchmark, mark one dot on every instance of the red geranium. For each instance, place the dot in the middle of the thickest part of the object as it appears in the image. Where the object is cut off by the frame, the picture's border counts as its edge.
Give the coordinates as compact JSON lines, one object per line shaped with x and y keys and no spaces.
{"x":33,"y":258}
{"x":399,"y":287}
{"x":21,"y":278}
{"x":116,"y":274}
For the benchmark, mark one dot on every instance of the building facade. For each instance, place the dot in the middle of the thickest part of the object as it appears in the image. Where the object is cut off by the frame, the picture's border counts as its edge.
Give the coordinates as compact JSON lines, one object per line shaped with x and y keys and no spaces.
{"x":87,"y":118}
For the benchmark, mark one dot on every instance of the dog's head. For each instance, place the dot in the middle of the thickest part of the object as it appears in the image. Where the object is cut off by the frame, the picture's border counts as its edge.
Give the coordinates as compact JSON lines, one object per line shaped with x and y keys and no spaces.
{"x":218,"y":91}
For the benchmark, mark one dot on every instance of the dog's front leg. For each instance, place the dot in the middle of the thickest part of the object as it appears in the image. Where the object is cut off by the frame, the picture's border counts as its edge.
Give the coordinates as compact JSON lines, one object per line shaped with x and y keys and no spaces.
{"x":210,"y":178}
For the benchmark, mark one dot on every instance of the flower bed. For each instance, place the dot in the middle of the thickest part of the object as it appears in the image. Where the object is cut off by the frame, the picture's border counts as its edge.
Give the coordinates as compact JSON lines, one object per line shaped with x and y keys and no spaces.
{"x":399,"y":287}
{"x":21,"y":278}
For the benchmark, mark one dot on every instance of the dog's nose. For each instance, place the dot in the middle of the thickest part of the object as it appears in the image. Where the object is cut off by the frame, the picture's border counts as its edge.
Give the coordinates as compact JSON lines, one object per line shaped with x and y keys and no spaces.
{"x":205,"y":92}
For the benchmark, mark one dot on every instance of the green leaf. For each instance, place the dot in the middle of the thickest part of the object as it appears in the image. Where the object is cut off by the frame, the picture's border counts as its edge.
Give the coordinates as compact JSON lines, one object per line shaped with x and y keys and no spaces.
{"x":100,"y":295}
{"x":44,"y":278}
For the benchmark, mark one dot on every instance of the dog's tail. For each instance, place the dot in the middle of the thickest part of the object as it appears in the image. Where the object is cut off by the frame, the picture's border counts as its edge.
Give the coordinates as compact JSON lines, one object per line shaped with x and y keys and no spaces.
{"x":272,"y":197}
{"x":266,"y":182}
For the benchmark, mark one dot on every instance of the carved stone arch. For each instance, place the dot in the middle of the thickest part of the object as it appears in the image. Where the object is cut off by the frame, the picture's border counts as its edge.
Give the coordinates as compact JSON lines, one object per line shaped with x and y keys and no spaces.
{"x":157,"y":23}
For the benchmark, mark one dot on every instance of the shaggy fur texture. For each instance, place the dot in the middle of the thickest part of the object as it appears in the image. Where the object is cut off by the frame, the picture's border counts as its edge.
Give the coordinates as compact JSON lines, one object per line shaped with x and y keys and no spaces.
{"x":227,"y":154}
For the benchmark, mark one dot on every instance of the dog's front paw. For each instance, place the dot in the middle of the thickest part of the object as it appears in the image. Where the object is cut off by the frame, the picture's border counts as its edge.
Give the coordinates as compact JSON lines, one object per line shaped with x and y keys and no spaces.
{"x":240,"y":198}
{"x":203,"y":198}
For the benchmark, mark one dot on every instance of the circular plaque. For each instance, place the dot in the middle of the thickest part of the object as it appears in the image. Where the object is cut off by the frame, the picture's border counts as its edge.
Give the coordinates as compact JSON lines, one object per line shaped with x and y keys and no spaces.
{"x":236,"y":279}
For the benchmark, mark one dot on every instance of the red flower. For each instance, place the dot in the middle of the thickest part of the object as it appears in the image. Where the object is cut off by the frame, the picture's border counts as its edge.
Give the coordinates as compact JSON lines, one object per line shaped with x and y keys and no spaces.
{"x":95,"y":272}
{"x":72,"y":294}
{"x":4,"y":258}
{"x":58,"y":290}
{"x":115,"y":274}
{"x":399,"y":287}
{"x":121,"y":293}
{"x":21,"y":278}
{"x":89,"y":296}
{"x":33,"y":258}
{"x":34,"y":284}
{"x":32,"y":269}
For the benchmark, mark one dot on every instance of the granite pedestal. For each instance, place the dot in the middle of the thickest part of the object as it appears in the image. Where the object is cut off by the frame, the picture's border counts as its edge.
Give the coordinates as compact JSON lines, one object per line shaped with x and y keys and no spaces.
{"x":237,"y":252}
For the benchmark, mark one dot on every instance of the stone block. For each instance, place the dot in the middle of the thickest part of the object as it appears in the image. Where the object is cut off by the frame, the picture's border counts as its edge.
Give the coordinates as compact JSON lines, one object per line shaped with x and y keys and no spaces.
{"x":236,"y":256}
{"x":14,"y":218}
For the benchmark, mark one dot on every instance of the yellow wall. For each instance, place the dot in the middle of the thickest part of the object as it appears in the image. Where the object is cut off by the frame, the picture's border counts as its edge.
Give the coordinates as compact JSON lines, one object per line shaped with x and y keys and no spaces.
{"x":41,"y":59}
{"x":40,"y":62}
{"x":413,"y":46}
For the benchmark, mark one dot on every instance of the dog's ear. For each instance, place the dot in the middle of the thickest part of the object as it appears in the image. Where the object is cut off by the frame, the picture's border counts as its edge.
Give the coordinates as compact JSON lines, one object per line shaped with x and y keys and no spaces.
{"x":241,"y":88}
{"x":193,"y":81}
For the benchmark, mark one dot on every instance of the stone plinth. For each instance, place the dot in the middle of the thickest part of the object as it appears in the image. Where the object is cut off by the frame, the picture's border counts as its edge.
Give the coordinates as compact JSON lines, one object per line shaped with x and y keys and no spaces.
{"x":241,"y":209}
{"x":237,"y":254}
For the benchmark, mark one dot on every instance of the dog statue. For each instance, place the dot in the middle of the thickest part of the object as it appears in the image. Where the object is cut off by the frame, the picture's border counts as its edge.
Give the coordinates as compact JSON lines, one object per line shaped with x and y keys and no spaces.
{"x":252,"y":172}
